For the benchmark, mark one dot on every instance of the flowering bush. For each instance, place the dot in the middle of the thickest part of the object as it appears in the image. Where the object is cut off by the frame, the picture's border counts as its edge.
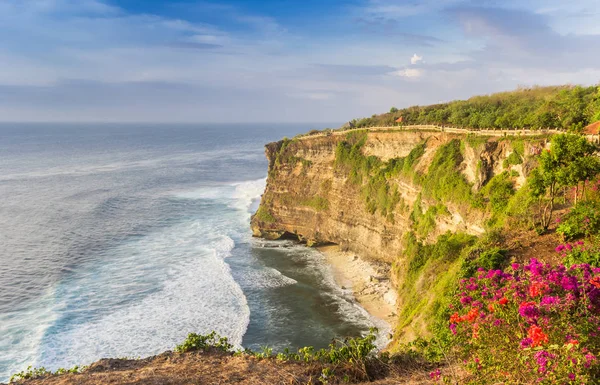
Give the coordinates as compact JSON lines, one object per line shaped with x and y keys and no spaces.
{"x":533,"y":324}
{"x":578,"y":253}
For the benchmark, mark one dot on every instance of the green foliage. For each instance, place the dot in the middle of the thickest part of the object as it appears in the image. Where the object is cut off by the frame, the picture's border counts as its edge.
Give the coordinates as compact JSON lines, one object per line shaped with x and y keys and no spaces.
{"x":518,"y":146}
{"x":580,"y":253}
{"x":565,"y":107}
{"x":318,"y":203}
{"x":349,"y":157}
{"x":349,"y":355}
{"x":583,"y":220}
{"x":393,"y":110}
{"x":32,"y":373}
{"x":430,"y":273}
{"x":195,"y":342}
{"x":264,"y":215}
{"x":293,"y":160}
{"x":424,"y":223}
{"x":475,"y":141}
{"x":570,"y":161}
{"x":512,"y":160}
{"x":443,"y":180}
{"x":498,"y":192}
{"x":490,"y":259}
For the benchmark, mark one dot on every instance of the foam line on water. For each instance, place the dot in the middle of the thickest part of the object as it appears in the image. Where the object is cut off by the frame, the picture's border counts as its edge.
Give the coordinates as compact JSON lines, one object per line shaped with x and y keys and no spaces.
{"x":198,"y":294}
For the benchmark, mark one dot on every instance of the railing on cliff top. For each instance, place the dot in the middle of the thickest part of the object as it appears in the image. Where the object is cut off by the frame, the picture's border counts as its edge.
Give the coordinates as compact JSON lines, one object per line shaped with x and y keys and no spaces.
{"x":483,"y":132}
{"x":448,"y":129}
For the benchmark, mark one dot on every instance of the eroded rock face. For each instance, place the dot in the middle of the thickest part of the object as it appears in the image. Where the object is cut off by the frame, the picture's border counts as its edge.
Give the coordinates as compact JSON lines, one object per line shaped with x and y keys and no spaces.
{"x":310,"y":198}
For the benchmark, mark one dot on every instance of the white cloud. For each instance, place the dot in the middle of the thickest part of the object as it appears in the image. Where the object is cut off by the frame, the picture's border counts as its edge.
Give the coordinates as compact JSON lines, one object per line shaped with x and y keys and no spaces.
{"x":408,"y":73}
{"x":415,"y":59}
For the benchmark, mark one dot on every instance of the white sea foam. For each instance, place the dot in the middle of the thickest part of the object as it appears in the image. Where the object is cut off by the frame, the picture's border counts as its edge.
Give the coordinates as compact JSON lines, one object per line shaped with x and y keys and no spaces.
{"x":192,"y":289}
{"x":198,"y":294}
{"x":40,"y":315}
{"x":237,"y":195}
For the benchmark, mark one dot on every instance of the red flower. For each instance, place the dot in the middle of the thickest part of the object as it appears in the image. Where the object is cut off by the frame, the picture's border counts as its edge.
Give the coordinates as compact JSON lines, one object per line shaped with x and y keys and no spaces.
{"x":537,"y":335}
{"x":471,"y":315}
{"x":490,"y":307}
{"x":455,"y":318}
{"x":537,"y":288}
{"x":595,"y":282}
{"x":503,"y":301}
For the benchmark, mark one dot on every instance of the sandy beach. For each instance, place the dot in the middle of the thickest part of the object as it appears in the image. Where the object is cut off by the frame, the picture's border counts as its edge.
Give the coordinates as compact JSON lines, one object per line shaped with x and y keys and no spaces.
{"x":368,"y":281}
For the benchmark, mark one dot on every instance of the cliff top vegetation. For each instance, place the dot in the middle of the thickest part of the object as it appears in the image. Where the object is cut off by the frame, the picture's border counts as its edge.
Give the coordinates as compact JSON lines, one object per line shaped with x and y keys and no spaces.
{"x":557,"y":107}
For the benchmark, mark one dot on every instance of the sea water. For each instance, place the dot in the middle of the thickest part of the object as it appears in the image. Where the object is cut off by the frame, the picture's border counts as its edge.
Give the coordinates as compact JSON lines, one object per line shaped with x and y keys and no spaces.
{"x":117,"y":240}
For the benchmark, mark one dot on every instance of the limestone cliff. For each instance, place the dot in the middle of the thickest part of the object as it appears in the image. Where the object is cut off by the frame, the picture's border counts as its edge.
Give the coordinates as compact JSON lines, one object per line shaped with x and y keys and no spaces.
{"x":312,"y":197}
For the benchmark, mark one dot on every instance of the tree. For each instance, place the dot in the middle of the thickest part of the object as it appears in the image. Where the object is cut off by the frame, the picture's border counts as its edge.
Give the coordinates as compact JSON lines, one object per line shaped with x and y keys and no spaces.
{"x":393,"y":110}
{"x":570,"y":161}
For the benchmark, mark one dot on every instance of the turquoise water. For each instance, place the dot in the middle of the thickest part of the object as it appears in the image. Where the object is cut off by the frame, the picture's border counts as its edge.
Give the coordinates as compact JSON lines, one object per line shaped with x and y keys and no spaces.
{"x":119,"y":240}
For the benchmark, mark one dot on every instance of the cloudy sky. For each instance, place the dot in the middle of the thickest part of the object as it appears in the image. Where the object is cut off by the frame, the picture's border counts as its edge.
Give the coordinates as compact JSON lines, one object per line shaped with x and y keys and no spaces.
{"x":280,"y":60}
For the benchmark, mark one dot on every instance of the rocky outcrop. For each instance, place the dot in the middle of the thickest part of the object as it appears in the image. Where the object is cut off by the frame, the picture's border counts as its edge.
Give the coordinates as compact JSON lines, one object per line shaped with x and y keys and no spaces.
{"x":309,"y":197}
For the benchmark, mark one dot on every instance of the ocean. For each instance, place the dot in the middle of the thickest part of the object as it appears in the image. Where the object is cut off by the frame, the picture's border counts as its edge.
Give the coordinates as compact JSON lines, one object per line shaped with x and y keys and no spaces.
{"x":117,"y":240}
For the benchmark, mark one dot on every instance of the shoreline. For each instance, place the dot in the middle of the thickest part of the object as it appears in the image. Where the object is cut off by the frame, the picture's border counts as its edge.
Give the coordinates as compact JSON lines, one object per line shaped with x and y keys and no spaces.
{"x":369,"y":282}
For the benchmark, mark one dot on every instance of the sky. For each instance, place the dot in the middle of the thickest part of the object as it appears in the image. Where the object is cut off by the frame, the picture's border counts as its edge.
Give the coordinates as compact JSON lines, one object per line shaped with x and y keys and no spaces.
{"x":280,"y":60}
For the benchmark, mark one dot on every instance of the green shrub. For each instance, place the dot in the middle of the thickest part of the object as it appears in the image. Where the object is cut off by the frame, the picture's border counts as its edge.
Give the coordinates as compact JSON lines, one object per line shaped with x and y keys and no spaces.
{"x":424,"y":223}
{"x":350,"y":356}
{"x":498,"y":192}
{"x":489,"y":259}
{"x":476,"y":141}
{"x":582,"y":220}
{"x":512,"y":160}
{"x":578,"y":253}
{"x":520,"y":206}
{"x":431,"y":272}
{"x":195,"y":342}
{"x":32,"y":373}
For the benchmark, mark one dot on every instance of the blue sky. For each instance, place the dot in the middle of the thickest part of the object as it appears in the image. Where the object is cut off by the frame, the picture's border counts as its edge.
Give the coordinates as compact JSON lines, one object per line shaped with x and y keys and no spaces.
{"x":280,"y":60}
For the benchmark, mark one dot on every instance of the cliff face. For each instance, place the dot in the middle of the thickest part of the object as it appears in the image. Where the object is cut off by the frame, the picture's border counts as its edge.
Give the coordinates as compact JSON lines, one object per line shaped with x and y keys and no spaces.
{"x":311,"y":196}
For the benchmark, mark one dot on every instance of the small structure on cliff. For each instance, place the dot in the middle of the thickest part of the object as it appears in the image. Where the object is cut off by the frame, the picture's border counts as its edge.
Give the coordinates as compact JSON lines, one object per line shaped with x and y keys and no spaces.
{"x":593,"y":131}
